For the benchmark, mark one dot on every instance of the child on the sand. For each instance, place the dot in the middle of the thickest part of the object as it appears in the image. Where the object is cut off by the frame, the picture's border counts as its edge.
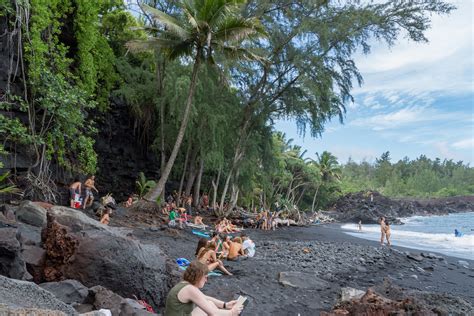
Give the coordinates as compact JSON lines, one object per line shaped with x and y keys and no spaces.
{"x":105,"y":217}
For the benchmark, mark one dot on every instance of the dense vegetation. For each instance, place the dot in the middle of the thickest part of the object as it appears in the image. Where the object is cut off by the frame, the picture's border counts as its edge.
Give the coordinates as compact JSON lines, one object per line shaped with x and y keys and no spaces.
{"x":204,"y":81}
{"x":421,"y":177}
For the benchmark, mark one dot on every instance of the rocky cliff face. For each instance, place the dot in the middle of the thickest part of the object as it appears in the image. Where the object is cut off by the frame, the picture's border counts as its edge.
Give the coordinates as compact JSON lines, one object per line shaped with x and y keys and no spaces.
{"x":120,"y":156}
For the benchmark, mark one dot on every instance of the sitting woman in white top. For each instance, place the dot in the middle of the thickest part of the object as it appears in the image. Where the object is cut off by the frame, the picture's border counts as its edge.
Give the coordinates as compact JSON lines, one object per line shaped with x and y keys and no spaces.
{"x":248,"y":246}
{"x":184,"y":296}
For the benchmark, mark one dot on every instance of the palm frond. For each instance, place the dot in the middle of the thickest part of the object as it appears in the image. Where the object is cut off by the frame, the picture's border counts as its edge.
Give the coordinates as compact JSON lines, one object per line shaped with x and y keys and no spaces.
{"x":236,"y":29}
{"x":172,"y":25}
{"x":151,"y":44}
{"x":234,"y":52}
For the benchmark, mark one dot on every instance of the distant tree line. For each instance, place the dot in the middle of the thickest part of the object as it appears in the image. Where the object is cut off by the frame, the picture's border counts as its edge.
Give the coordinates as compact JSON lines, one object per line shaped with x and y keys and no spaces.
{"x":421,"y":177}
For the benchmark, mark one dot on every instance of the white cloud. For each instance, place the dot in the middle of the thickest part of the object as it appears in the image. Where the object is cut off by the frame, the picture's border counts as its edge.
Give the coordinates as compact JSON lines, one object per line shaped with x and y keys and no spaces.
{"x":464,"y":144}
{"x":445,"y":64}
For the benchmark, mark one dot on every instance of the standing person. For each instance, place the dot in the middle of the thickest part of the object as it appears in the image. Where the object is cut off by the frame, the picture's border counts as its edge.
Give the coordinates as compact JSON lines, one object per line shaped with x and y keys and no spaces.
{"x":184,"y":296}
{"x":90,"y":185}
{"x":360,"y":225}
{"x":387,"y":232}
{"x":188,"y":205}
{"x":382,"y":229}
{"x":205,"y":201}
{"x":74,"y":189}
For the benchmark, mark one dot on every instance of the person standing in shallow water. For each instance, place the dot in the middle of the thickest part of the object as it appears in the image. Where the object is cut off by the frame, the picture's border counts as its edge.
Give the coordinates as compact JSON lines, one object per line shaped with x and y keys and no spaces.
{"x":382,"y":229}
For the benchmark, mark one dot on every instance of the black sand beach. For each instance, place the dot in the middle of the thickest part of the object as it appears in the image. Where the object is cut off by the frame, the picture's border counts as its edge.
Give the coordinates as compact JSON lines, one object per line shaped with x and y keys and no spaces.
{"x":322,"y":260}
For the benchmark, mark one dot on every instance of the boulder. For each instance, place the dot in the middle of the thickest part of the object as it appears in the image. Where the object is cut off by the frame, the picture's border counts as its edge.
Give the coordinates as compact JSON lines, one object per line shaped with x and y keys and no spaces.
{"x":34,"y":258}
{"x":118,"y":306}
{"x":19,"y":311}
{"x":68,"y":291}
{"x":349,"y":294}
{"x":31,"y":214}
{"x":11,"y":262}
{"x":101,"y":257}
{"x":8,"y":212}
{"x":23,"y":294}
{"x":302,"y":280}
{"x":414,"y":257}
{"x":74,"y":219}
{"x":99,"y":254}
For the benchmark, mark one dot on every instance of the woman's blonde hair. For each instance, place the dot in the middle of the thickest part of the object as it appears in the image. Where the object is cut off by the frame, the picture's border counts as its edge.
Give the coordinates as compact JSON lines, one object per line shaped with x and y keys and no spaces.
{"x":195,"y":271}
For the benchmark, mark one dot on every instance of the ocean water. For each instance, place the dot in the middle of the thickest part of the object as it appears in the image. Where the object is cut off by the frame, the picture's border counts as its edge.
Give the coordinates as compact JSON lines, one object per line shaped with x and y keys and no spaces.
{"x":427,"y":233}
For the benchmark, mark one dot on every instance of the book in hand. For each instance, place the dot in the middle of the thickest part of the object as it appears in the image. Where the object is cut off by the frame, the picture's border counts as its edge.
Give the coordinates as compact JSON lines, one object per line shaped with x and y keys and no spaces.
{"x":242,"y":300}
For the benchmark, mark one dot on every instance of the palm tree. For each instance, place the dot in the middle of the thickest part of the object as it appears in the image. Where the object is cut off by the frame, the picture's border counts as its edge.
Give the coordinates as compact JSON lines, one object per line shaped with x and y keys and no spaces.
{"x":329,"y":170}
{"x":203,"y":29}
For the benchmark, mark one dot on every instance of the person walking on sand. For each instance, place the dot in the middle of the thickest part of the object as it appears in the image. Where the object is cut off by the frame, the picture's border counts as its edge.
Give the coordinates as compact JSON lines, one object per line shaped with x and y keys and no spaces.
{"x":74,"y":189}
{"x":90,"y":185}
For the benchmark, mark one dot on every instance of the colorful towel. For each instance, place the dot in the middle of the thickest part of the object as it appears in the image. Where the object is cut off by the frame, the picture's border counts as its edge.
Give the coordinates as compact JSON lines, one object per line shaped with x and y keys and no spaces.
{"x":200,"y":233}
{"x":212,"y":273}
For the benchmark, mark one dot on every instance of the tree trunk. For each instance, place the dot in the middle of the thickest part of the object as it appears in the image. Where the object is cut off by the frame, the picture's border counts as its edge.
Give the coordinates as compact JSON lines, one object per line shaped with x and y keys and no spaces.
{"x":192,"y":172}
{"x":197,"y":186}
{"x":224,"y":191}
{"x":314,"y":198}
{"x":215,"y":186}
{"x":155,"y":192}
{"x":160,"y":73}
{"x":185,"y":168}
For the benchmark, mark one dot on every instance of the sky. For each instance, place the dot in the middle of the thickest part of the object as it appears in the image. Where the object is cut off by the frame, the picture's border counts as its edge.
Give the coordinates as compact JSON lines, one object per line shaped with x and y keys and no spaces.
{"x":417,"y":98}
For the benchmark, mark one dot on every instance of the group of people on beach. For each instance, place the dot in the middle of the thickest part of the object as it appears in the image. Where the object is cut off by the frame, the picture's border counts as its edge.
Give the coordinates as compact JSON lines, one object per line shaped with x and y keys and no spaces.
{"x":186,"y":298}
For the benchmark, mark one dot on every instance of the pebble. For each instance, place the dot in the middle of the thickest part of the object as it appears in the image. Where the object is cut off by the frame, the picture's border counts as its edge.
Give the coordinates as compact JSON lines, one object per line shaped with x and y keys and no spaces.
{"x":414,"y":276}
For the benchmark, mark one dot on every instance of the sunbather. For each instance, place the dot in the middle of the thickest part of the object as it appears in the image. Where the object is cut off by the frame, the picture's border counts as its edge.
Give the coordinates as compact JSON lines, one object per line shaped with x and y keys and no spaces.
{"x":183,"y":297}
{"x":208,"y":256}
{"x":198,"y":220}
{"x":202,"y":243}
{"x":235,"y":249}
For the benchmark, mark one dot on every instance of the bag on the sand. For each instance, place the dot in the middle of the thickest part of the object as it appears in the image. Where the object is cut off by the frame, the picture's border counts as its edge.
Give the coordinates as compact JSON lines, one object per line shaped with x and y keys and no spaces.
{"x":182,"y":262}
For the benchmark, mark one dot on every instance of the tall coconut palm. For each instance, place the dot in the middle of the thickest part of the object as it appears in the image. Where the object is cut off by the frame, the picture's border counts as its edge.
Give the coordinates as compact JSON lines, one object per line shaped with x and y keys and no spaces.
{"x":329,"y":170}
{"x":202,"y":30}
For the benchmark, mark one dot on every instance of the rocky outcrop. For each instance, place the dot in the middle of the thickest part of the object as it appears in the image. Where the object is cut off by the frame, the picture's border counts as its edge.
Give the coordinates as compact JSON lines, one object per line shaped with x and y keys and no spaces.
{"x":16,"y":294}
{"x":11,"y":262}
{"x":68,"y":291}
{"x":398,"y":301}
{"x":81,"y":248}
{"x":32,"y":214}
{"x":121,"y":157}
{"x":60,"y":246}
{"x":369,"y":206}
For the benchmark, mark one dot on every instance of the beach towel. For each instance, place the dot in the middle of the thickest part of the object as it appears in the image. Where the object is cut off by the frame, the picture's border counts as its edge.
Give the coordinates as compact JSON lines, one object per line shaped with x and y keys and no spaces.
{"x":196,"y":226}
{"x":200,"y":233}
{"x":184,"y":267}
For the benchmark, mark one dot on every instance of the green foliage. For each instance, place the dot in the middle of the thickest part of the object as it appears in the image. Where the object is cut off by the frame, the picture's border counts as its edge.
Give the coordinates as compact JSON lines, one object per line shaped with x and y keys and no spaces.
{"x":143,"y":185}
{"x":421,"y":177}
{"x":6,"y":187}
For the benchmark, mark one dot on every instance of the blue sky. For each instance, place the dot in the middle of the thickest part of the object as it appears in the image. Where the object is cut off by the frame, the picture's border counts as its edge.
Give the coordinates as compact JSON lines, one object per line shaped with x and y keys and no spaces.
{"x":417,"y":98}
